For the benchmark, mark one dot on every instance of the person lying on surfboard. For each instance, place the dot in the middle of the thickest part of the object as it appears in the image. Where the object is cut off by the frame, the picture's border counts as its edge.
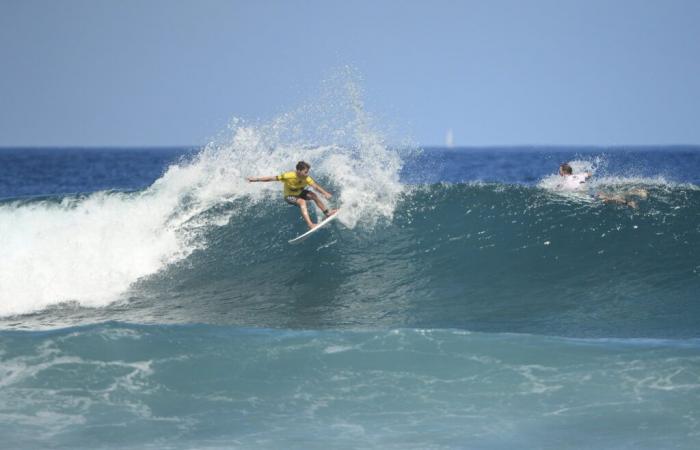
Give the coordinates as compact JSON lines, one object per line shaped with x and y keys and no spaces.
{"x":573,"y":182}
{"x":296,"y":190}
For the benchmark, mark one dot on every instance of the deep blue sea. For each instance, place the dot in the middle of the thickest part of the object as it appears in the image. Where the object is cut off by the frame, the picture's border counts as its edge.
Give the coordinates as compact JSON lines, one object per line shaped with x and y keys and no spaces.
{"x":149,"y":299}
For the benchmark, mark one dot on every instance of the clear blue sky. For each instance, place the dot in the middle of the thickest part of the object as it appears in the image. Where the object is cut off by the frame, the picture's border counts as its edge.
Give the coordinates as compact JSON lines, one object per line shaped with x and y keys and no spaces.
{"x":151,"y":72}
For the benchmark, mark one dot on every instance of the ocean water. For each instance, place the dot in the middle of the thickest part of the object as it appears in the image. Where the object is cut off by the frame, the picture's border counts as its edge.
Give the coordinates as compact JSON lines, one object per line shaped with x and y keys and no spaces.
{"x":149,"y":298}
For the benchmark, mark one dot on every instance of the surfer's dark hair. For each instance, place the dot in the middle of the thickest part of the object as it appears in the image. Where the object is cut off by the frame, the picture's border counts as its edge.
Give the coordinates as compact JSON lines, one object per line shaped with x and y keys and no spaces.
{"x":301,"y":165}
{"x":566,"y":168}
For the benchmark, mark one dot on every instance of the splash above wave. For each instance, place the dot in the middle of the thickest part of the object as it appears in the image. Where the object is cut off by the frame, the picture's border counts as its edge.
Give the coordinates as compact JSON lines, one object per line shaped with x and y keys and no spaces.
{"x":90,"y":249}
{"x":482,"y":257}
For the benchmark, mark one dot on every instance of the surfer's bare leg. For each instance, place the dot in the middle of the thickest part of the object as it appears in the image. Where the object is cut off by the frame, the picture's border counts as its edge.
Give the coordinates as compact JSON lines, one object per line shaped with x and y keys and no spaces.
{"x":639,"y":192}
{"x":319,"y":203}
{"x":617,"y":199}
{"x":305,"y":213}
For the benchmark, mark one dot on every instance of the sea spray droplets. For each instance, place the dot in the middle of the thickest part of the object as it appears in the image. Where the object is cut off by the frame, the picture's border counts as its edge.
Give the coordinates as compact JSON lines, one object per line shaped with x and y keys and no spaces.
{"x":91,"y":249}
{"x":337,"y":137}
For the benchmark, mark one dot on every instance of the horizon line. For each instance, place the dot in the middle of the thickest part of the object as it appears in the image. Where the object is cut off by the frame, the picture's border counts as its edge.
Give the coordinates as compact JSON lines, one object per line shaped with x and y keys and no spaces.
{"x":424,"y":146}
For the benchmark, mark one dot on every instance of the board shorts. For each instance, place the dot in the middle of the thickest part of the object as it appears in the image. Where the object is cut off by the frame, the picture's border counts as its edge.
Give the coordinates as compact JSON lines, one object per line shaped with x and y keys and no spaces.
{"x":292,"y":199}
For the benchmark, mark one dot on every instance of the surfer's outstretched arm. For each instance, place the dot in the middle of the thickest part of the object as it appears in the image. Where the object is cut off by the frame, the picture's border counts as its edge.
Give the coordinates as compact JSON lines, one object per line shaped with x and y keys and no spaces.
{"x":322,"y":191}
{"x":326,"y":211}
{"x":254,"y":179}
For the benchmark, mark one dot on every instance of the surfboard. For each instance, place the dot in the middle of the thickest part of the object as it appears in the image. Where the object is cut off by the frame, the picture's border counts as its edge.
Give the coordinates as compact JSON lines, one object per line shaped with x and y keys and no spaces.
{"x":320,"y":225}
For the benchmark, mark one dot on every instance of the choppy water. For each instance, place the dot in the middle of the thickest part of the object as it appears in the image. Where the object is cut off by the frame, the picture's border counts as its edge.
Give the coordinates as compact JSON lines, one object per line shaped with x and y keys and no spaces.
{"x":221,"y":387}
{"x":149,"y":299}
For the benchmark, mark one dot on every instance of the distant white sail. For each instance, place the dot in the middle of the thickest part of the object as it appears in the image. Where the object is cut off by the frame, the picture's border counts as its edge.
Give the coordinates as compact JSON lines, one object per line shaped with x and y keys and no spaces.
{"x":449,"y":139}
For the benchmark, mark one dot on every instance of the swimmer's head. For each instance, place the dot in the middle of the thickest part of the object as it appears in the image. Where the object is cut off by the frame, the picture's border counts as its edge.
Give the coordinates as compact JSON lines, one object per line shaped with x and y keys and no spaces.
{"x":303,"y":168}
{"x":565,"y":169}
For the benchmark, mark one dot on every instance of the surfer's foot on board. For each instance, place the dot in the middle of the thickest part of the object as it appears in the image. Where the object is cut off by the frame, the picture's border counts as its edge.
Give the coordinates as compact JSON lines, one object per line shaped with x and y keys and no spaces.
{"x":330,"y":212}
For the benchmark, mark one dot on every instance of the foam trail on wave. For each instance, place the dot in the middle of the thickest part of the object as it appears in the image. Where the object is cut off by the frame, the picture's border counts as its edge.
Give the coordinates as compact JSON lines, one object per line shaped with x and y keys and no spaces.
{"x":91,"y":249}
{"x":83,"y":249}
{"x":606,"y":179}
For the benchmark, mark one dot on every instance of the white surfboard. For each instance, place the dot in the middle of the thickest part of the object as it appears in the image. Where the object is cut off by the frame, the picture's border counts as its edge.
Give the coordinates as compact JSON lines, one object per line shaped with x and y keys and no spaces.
{"x":320,"y":225}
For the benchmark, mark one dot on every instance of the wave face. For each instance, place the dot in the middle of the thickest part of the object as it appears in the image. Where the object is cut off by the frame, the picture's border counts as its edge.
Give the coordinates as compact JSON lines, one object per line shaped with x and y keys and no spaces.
{"x":482,"y":257}
{"x":89,"y":249}
{"x":212,"y":387}
{"x":488,"y":258}
{"x":461,"y":299}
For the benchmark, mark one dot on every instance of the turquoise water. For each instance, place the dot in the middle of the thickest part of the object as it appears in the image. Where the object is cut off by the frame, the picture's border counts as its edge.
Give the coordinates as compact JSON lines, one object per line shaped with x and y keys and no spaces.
{"x":459,"y":302}
{"x":220,"y":387}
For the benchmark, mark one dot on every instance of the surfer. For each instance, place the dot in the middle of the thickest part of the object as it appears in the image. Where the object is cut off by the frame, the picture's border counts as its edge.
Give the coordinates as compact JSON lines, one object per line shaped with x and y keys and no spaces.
{"x":297,"y":192}
{"x":571,"y":182}
{"x":577,"y":182}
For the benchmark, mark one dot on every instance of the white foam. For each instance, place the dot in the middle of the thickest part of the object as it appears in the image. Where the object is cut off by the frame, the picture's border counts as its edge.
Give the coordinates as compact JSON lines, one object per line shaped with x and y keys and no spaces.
{"x":87,"y":250}
{"x":91,"y":249}
{"x":601,"y":179}
{"x":337,"y":349}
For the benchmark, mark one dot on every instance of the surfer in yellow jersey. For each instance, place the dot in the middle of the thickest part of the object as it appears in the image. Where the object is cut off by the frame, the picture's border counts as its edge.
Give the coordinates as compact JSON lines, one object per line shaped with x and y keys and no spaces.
{"x":296,"y":190}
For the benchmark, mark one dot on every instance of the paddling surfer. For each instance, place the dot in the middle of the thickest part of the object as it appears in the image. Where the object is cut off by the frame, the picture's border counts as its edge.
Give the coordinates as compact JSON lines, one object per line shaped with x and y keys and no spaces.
{"x":571,"y":182}
{"x":576,"y":182}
